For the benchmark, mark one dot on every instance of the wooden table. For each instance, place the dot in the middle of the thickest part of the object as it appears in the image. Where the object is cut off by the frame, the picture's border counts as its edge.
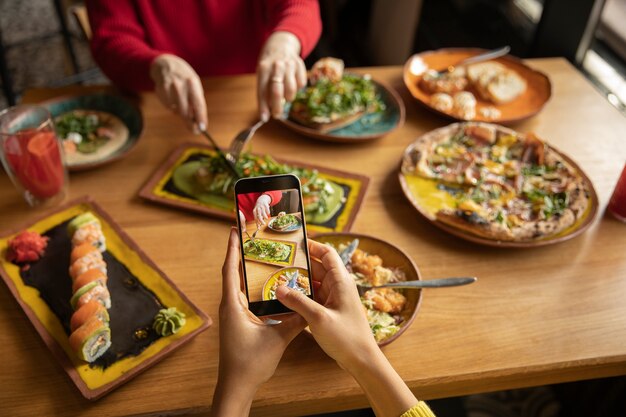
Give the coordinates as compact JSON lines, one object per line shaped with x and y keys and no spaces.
{"x":536,"y":316}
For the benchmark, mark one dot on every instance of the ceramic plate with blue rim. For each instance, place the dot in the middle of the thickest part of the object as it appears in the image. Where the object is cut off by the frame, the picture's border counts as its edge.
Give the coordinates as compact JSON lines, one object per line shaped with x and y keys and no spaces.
{"x":295,"y":224}
{"x":95,"y":129}
{"x":362,"y":128}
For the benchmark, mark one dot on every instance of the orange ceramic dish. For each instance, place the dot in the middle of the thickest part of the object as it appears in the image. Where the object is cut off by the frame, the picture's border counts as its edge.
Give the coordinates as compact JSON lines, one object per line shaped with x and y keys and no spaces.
{"x":530,"y":102}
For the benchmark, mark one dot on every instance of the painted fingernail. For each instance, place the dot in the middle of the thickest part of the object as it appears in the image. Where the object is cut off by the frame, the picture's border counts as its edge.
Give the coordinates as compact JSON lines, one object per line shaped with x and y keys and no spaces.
{"x":201,"y":126}
{"x":265,"y":117}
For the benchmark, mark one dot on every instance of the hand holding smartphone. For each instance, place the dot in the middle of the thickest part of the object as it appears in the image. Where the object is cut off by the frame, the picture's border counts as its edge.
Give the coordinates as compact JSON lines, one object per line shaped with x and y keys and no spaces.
{"x":273,"y":241}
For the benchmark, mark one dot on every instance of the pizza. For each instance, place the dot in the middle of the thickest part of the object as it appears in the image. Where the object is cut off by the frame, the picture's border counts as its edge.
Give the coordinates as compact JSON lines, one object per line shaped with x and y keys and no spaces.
{"x":497,"y":183}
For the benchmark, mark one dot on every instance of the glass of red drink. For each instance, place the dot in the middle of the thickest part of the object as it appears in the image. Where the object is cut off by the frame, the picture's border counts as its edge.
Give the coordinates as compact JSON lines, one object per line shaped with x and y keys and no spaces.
{"x":31,"y":154}
{"x":617,"y":204}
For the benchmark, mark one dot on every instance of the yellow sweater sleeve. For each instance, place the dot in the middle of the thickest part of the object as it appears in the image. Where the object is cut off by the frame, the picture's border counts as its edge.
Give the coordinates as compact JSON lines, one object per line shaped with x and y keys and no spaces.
{"x":420,"y":409}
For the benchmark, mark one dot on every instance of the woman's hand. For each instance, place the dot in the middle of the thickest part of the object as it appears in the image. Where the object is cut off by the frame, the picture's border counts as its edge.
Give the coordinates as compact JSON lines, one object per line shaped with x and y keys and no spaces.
{"x":340,"y":327}
{"x":249,"y":349}
{"x":338,"y":322}
{"x":262,"y":209}
{"x":242,"y":221}
{"x":179,"y":89}
{"x":280,"y":73}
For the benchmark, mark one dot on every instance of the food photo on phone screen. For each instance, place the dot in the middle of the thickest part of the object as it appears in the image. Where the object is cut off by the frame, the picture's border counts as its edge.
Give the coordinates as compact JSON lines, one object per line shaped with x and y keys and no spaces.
{"x":273,"y":240}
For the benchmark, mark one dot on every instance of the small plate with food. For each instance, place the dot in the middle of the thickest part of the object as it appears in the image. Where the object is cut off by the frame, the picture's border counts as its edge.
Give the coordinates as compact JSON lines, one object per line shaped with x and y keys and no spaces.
{"x":102,"y":307}
{"x":292,"y":277}
{"x":501,"y":90}
{"x":285,"y":223}
{"x":372,"y":261}
{"x":492,"y":185}
{"x":270,"y":251}
{"x":341,"y":106}
{"x":195,"y":178}
{"x":95,"y":129}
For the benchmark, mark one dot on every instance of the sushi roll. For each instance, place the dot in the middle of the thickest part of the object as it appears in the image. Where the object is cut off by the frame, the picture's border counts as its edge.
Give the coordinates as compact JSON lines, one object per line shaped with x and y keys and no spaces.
{"x":81,"y":220}
{"x":82,"y":250}
{"x":89,"y":276}
{"x":86,"y":312}
{"x":91,"y":340}
{"x":92,"y":260}
{"x":86,"y":228}
{"x":89,"y":292}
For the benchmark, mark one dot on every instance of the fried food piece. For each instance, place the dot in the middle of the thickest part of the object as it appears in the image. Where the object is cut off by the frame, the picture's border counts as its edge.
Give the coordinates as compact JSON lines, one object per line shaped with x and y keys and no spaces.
{"x":386,"y":300}
{"x":448,"y":82}
{"x":365,"y":264}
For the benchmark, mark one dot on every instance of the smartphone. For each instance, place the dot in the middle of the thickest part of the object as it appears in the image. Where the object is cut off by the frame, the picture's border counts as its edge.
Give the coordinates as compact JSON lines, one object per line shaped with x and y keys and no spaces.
{"x":272,"y":232}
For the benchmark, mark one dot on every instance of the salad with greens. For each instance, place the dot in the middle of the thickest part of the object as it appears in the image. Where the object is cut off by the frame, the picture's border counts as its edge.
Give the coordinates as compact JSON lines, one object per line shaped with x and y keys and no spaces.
{"x":328,"y":100}
{"x":383,"y":306}
{"x":208,"y":178}
{"x":82,"y":131}
{"x":267,"y":250}
{"x":284,"y":222}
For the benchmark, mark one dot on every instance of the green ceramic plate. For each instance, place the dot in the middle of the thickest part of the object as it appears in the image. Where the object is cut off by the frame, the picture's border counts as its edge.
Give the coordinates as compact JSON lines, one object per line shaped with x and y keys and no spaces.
{"x":368,"y":127}
{"x":129,"y":122}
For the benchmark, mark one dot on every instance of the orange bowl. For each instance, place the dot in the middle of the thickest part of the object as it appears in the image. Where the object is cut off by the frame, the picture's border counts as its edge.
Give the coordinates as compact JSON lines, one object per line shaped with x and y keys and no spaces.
{"x":392,"y":256}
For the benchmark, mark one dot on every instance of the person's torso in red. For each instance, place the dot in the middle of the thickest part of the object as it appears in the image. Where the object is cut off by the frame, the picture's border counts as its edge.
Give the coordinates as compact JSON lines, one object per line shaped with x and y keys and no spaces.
{"x":216,"y":37}
{"x":247,"y":202}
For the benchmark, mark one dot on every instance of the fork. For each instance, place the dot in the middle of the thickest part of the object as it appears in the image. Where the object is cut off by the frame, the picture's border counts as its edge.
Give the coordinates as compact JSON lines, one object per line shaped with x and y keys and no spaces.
{"x":236,"y":146}
{"x":253,"y":234}
{"x":493,"y":54}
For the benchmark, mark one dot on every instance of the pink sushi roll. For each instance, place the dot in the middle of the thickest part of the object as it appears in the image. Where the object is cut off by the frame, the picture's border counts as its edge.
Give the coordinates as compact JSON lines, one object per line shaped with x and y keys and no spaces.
{"x":93,"y":260}
{"x":91,"y":340}
{"x":89,"y":233}
{"x":90,"y":292}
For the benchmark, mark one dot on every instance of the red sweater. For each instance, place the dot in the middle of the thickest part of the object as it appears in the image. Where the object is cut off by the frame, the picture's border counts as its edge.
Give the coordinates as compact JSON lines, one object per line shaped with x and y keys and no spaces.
{"x":216,"y":37}
{"x":247,"y":202}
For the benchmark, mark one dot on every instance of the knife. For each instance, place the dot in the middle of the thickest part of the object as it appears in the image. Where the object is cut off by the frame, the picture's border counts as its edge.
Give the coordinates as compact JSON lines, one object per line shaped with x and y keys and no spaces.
{"x":227,"y":158}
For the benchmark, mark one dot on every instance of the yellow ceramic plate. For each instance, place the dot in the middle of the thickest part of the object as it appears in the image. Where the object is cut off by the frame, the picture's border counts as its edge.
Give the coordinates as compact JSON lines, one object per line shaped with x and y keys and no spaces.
{"x":267,"y":287}
{"x":134,"y":282}
{"x":160,"y":188}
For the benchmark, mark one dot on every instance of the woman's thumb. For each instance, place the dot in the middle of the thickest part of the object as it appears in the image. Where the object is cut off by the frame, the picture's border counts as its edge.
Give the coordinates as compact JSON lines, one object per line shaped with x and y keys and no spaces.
{"x":298,"y":302}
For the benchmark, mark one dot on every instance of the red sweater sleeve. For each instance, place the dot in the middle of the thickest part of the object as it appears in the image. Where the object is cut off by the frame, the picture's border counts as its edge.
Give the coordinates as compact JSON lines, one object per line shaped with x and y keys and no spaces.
{"x":118,"y":44}
{"x":275,"y":196}
{"x":246,"y":202}
{"x":300,"y":17}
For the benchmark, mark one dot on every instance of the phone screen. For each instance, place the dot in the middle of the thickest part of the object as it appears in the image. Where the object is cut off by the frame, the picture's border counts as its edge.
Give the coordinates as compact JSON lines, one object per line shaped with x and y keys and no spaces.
{"x":272,"y":232}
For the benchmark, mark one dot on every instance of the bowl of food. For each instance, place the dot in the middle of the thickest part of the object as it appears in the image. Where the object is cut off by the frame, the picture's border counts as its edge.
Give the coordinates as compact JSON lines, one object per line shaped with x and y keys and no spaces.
{"x":292,"y":277}
{"x":95,"y":129}
{"x":372,"y":261}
